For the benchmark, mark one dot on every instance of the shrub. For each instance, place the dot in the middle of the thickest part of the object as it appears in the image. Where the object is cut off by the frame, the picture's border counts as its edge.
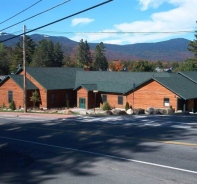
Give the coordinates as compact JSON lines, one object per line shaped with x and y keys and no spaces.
{"x":35,"y":98}
{"x":12,"y":105}
{"x":106,"y":106}
{"x":127,"y":106}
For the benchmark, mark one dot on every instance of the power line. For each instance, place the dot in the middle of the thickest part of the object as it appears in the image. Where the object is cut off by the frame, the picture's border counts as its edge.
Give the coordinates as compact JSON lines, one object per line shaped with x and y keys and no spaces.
{"x":20,"y":12}
{"x":36,"y":15}
{"x":120,"y":32}
{"x":59,"y":20}
{"x":112,"y":32}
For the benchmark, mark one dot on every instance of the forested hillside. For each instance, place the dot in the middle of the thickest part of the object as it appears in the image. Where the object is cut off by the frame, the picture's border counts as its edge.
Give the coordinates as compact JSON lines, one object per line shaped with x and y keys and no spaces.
{"x":171,"y":50}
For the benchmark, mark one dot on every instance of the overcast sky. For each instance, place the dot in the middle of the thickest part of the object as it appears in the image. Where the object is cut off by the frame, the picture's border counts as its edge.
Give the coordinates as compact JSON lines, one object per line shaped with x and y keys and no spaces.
{"x":117,"y":22}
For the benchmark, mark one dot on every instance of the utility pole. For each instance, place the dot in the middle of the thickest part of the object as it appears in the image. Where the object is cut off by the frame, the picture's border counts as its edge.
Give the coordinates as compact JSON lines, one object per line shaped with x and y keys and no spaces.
{"x":133,"y":94}
{"x":24,"y":70}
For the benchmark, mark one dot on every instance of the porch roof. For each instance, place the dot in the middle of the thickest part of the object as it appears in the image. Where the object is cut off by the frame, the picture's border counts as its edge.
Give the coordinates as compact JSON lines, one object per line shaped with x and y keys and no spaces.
{"x":180,"y":85}
{"x":88,"y":87}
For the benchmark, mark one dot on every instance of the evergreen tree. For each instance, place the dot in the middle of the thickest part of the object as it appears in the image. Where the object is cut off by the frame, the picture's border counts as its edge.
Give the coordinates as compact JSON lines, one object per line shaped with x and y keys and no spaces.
{"x":58,"y":55}
{"x":42,"y":57}
{"x":159,"y":64}
{"x":67,"y":61}
{"x":84,"y":57}
{"x":188,"y":65}
{"x":100,"y":62}
{"x":4,"y":61}
{"x":17,"y":58}
{"x":47,"y":54}
{"x":143,"y":66}
{"x":30,"y":49}
{"x":193,"y":46}
{"x":17,"y":54}
{"x":192,"y":62}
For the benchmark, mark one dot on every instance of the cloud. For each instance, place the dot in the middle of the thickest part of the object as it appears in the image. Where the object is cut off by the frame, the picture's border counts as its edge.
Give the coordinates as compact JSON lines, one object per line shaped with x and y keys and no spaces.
{"x":78,"y":21}
{"x":145,"y":4}
{"x":180,"y":18}
{"x":95,"y":36}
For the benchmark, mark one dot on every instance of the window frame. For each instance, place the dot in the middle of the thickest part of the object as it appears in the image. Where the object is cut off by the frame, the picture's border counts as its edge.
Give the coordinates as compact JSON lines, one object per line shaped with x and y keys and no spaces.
{"x":120,"y":100}
{"x":10,"y":96}
{"x":104,"y":98}
{"x":166,"y":102}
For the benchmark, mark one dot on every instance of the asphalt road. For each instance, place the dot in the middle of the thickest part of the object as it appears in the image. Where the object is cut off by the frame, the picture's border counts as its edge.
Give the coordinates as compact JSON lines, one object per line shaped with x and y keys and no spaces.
{"x":112,"y":149}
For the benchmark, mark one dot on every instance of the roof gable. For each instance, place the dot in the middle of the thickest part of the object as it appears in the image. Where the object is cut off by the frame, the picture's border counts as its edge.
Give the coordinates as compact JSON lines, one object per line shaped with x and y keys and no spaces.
{"x":52,"y":78}
{"x":180,"y":85}
{"x":19,"y":80}
{"x":88,"y":87}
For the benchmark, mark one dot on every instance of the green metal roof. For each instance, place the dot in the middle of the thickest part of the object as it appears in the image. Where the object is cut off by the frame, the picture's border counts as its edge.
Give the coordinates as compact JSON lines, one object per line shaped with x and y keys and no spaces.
{"x":192,"y":75}
{"x":180,"y":85}
{"x":184,"y":84}
{"x":115,"y":82}
{"x":53,"y":78}
{"x":19,"y":79}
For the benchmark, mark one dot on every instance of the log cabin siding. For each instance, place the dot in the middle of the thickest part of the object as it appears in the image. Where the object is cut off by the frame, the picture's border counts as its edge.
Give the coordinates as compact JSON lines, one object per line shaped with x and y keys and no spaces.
{"x":10,"y":85}
{"x":112,"y":99}
{"x":42,"y":90}
{"x":29,"y":94}
{"x":18,"y":95}
{"x":58,"y":98}
{"x":152,"y":94}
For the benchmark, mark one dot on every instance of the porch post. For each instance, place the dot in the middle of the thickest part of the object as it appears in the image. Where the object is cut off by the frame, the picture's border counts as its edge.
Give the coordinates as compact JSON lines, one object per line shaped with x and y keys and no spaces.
{"x":184,"y":105}
{"x":95,"y":92}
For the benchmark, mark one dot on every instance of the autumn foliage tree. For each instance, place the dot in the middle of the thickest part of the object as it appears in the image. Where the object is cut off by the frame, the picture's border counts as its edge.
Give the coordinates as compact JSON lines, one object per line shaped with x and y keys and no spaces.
{"x":116,"y":66}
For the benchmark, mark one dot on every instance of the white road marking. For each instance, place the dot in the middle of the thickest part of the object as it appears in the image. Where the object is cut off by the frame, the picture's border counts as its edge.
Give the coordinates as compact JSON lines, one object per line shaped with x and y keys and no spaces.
{"x":100,"y":154}
{"x":181,"y":126}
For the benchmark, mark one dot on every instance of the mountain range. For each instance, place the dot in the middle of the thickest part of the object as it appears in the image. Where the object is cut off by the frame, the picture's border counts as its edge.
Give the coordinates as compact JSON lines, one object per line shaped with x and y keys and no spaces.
{"x":170,"y":50}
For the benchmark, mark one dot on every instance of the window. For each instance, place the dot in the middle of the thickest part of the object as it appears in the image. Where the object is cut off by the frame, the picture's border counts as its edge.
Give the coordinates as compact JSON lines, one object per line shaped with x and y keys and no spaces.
{"x":104,"y":98}
{"x":166,"y":102}
{"x":52,"y":98}
{"x":120,"y":100}
{"x":10,"y":96}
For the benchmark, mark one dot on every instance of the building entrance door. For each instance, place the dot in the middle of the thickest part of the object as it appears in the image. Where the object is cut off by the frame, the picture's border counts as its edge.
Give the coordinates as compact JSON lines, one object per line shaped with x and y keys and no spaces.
{"x":82,"y":103}
{"x":182,"y":105}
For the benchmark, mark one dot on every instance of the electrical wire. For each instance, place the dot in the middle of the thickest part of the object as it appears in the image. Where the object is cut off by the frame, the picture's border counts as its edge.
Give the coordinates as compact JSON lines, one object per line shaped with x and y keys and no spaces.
{"x":119,"y":32}
{"x":108,"y":32}
{"x":36,"y":15}
{"x":59,"y":20}
{"x":20,"y":12}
